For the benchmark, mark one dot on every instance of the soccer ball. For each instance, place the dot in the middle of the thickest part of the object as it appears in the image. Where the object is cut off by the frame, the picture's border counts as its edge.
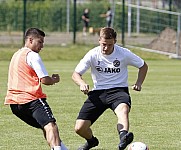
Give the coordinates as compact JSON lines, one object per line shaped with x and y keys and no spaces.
{"x":138,"y":146}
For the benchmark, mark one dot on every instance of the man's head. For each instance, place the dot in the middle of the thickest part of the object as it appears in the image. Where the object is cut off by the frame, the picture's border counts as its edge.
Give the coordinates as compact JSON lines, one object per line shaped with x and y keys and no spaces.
{"x":86,"y":10}
{"x":34,"y":39}
{"x":107,"y":40}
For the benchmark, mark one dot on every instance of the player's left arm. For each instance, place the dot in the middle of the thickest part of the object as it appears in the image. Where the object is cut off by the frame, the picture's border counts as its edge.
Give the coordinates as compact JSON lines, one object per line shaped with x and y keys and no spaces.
{"x":141,"y":77}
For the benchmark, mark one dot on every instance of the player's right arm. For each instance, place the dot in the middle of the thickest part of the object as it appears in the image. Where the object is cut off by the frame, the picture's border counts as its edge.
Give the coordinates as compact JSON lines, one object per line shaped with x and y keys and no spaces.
{"x":80,"y":69}
{"x":34,"y":61}
{"x":50,"y":80}
{"x":77,"y":78}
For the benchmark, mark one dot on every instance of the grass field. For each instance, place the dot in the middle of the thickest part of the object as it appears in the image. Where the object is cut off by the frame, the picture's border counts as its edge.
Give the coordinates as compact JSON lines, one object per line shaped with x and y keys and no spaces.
{"x":154,"y":118}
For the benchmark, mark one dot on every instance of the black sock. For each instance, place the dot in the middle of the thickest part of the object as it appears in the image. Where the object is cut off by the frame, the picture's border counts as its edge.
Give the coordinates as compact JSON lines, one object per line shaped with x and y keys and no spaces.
{"x":90,"y":140}
{"x":122,"y":133}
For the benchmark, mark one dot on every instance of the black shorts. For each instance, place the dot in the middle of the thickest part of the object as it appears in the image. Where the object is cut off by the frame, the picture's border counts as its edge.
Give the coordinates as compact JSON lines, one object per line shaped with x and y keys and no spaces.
{"x":36,"y":113}
{"x":86,"y":24}
{"x":100,"y":100}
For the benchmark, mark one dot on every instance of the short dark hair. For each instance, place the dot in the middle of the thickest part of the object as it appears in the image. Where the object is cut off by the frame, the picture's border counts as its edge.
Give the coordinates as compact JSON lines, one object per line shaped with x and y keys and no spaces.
{"x":108,"y":33}
{"x":34,"y":32}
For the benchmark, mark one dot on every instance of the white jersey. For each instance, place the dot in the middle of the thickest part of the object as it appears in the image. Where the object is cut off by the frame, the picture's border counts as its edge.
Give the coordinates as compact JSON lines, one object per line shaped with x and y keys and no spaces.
{"x":35,"y":62}
{"x":109,"y":15}
{"x":109,"y":71}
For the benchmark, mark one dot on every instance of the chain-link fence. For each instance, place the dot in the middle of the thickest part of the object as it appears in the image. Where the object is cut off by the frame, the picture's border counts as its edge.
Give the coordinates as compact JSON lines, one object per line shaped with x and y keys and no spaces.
{"x":144,"y":23}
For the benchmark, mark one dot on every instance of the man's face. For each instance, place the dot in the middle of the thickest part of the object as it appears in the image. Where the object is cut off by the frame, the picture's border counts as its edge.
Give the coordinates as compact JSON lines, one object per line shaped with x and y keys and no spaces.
{"x":36,"y":44}
{"x":107,"y":45}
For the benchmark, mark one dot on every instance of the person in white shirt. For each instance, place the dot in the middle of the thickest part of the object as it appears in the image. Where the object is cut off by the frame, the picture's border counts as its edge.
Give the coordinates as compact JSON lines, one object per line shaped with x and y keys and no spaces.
{"x":109,"y":70}
{"x":109,"y":17}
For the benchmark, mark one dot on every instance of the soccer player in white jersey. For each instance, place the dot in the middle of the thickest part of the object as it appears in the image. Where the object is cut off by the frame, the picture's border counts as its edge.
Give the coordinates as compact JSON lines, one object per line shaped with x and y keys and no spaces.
{"x":109,"y":70}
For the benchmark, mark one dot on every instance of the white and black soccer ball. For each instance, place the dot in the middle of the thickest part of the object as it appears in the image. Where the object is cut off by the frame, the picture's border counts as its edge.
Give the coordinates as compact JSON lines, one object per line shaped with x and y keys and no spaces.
{"x":138,"y":146}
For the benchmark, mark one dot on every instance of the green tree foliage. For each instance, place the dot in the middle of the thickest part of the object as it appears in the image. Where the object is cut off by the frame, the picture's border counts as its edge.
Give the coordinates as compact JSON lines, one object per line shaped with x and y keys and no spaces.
{"x":51,"y":15}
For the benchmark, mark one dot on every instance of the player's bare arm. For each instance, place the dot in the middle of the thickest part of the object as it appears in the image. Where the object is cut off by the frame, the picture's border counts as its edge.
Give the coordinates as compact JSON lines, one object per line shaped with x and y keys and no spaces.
{"x":50,"y":80}
{"x":141,"y":77}
{"x":77,"y":78}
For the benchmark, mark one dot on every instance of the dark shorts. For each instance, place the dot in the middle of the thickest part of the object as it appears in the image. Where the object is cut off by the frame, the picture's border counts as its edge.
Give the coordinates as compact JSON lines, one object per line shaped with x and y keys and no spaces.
{"x":86,"y":24}
{"x":100,"y":100}
{"x":36,"y":113}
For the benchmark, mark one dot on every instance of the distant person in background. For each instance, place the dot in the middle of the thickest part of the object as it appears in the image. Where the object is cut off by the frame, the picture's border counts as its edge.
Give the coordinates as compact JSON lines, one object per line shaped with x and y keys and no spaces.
{"x":85,"y":18}
{"x":108,"y":15}
{"x":163,"y":4}
{"x":24,"y":94}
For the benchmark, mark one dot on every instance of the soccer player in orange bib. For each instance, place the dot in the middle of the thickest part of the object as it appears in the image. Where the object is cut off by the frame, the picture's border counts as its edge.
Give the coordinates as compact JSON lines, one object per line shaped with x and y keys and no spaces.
{"x":24,"y":94}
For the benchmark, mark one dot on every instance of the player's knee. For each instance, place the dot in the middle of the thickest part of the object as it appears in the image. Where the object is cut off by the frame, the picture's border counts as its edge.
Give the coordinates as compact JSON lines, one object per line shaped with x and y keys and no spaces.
{"x":51,"y":126}
{"x":122,"y":109}
{"x":77,"y":129}
{"x":82,"y":126}
{"x":125,"y":109}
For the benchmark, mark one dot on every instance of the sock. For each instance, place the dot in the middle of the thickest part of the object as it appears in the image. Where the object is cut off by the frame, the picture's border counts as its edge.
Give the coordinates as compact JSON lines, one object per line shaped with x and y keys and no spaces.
{"x":63,"y":147}
{"x":90,"y":140}
{"x":56,"y":148}
{"x":122,"y":133}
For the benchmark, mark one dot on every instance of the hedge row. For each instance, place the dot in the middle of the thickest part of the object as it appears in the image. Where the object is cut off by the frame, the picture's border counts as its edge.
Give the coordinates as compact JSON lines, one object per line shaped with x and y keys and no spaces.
{"x":52,"y":16}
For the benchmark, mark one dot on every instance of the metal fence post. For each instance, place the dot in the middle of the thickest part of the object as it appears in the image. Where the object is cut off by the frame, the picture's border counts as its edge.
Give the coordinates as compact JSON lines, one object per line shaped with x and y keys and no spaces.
{"x":178,"y":36}
{"x":74,"y":36}
{"x":138,"y":18}
{"x":68,"y":15}
{"x":24,"y":20}
{"x":129,"y":18}
{"x":123,"y":21}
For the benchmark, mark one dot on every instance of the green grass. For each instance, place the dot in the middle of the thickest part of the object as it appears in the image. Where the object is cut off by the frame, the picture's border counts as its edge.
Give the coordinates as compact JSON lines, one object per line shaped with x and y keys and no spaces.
{"x":154,"y":118}
{"x":69,"y":52}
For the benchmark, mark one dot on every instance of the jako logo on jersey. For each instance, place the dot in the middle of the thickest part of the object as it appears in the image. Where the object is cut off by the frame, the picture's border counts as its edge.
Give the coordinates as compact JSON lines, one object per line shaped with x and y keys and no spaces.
{"x":99,"y":69}
{"x":107,"y":70}
{"x":112,"y":70}
{"x":116,"y":63}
